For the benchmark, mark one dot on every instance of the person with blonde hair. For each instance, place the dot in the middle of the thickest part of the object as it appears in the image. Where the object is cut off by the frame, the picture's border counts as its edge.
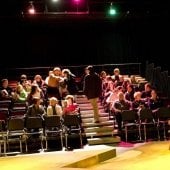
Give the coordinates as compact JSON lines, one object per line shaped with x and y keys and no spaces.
{"x":54,"y":108}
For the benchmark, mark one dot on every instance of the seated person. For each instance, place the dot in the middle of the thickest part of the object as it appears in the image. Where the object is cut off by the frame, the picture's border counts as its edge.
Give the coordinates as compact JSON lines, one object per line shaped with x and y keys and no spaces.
{"x":35,"y":92}
{"x":154,"y":102}
{"x":54,"y":108}
{"x":138,"y":102}
{"x":36,"y":109}
{"x":69,"y":107}
{"x":147,"y":91}
{"x":118,"y":106}
{"x":5,"y":91}
{"x":20,"y":95}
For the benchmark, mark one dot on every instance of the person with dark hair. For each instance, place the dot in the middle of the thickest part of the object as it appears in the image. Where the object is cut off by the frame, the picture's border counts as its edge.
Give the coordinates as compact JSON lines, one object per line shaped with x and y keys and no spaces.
{"x":69,"y":80}
{"x":5,"y":91}
{"x":92,"y":88}
{"x":118,"y":106}
{"x":146,"y":93}
{"x":154,"y":102}
{"x":36,"y":109}
{"x":129,"y":94}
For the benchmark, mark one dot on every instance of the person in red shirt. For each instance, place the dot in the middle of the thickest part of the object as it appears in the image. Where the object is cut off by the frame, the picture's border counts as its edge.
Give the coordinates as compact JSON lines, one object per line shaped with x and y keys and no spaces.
{"x":69,"y":106}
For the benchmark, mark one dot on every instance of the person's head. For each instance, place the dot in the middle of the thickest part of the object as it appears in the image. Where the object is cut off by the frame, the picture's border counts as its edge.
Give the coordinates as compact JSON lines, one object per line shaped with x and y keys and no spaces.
{"x":129,"y":87}
{"x":154,"y":94}
{"x":4,"y":83}
{"x":36,"y":101}
{"x":57,"y":71}
{"x":38,"y":78}
{"x":23,"y":77}
{"x":70,"y":99}
{"x":103,"y":74}
{"x":137,"y":95}
{"x":90,"y":68}
{"x":116,"y":71}
{"x":148,"y":87}
{"x":121,"y":96}
{"x":66,"y":72}
{"x":53,"y":101}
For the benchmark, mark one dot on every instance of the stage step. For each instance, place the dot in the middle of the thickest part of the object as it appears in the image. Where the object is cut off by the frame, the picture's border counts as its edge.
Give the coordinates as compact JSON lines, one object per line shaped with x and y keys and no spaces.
{"x":101,"y":134}
{"x":88,"y":107}
{"x":103,"y":140}
{"x":91,"y":124}
{"x":90,"y":111}
{"x":99,"y":129}
{"x":96,"y":133}
{"x":91,"y":115}
{"x":90,"y":120}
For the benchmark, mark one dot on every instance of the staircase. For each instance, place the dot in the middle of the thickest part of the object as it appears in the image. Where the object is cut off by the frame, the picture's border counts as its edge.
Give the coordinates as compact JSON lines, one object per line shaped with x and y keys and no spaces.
{"x":96,"y":133}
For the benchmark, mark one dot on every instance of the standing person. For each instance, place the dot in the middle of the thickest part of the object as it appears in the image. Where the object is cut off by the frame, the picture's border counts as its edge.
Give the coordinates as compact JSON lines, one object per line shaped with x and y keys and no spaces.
{"x":92,"y":88}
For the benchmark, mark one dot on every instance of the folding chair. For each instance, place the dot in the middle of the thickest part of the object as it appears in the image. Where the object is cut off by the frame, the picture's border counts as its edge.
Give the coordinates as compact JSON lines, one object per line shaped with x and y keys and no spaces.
{"x":130,"y":119}
{"x":169,"y":132}
{"x":163,"y":116}
{"x":34,"y":128}
{"x":4,"y":114}
{"x":53,"y":129}
{"x":15,"y":131}
{"x":72,"y":125}
{"x":2,"y":138}
{"x":5,"y":104}
{"x":147,"y":120}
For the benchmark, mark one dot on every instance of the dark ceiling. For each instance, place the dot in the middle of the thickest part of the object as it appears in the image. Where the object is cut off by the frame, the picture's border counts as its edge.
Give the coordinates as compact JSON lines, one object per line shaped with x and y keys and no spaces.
{"x":14,"y":8}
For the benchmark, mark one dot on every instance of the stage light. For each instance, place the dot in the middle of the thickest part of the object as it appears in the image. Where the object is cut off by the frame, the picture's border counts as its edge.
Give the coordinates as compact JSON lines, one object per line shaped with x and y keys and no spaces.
{"x":77,"y":1}
{"x":31,"y":8}
{"x":112,"y":10}
{"x":54,"y":0}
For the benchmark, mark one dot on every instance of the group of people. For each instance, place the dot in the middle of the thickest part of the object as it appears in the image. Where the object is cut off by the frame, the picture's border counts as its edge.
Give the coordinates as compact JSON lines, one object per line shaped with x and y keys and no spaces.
{"x":59,"y":90}
{"x":53,"y":95}
{"x":120,"y":94}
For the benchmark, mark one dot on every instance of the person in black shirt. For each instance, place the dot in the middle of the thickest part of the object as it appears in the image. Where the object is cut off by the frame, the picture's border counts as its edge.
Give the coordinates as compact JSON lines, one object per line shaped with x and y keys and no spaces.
{"x":92,"y":88}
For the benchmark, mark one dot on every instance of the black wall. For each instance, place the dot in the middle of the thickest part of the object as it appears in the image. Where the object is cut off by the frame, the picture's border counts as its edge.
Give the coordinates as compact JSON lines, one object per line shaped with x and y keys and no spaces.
{"x":83,"y":40}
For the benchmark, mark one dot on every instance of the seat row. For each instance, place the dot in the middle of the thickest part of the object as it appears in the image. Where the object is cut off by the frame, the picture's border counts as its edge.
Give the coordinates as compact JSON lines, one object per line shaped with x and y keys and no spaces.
{"x":20,"y":129}
{"x":145,"y":120}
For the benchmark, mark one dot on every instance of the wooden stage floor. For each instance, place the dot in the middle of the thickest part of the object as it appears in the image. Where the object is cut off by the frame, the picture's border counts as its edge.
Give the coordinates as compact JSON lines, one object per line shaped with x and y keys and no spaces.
{"x":143,"y":156}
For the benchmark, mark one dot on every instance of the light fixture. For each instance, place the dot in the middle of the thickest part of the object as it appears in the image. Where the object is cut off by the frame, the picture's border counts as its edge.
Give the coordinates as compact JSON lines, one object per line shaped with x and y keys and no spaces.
{"x":112,"y":10}
{"x":31,"y":8}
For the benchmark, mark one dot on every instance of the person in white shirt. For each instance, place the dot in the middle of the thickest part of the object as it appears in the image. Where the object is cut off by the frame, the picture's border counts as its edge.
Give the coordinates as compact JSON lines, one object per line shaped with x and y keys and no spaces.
{"x":54,"y":108}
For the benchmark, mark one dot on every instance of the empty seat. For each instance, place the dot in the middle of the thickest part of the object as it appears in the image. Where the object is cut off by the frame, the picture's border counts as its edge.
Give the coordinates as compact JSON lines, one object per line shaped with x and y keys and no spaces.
{"x":4,"y":114}
{"x":2,"y":138}
{"x":53,"y":129}
{"x":34,"y":128}
{"x":147,"y":121}
{"x":16,"y":132}
{"x":163,"y":117}
{"x":130,"y":123}
{"x":72,"y":125}
{"x":5,"y":103}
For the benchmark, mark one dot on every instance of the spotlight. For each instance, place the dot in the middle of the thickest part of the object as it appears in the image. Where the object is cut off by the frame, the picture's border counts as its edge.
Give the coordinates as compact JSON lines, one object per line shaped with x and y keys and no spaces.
{"x":54,"y":0}
{"x":112,"y":10}
{"x":31,"y":8}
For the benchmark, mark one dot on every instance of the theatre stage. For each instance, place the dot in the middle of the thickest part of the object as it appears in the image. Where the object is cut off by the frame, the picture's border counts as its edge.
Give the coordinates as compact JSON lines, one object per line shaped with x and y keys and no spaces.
{"x":143,"y":156}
